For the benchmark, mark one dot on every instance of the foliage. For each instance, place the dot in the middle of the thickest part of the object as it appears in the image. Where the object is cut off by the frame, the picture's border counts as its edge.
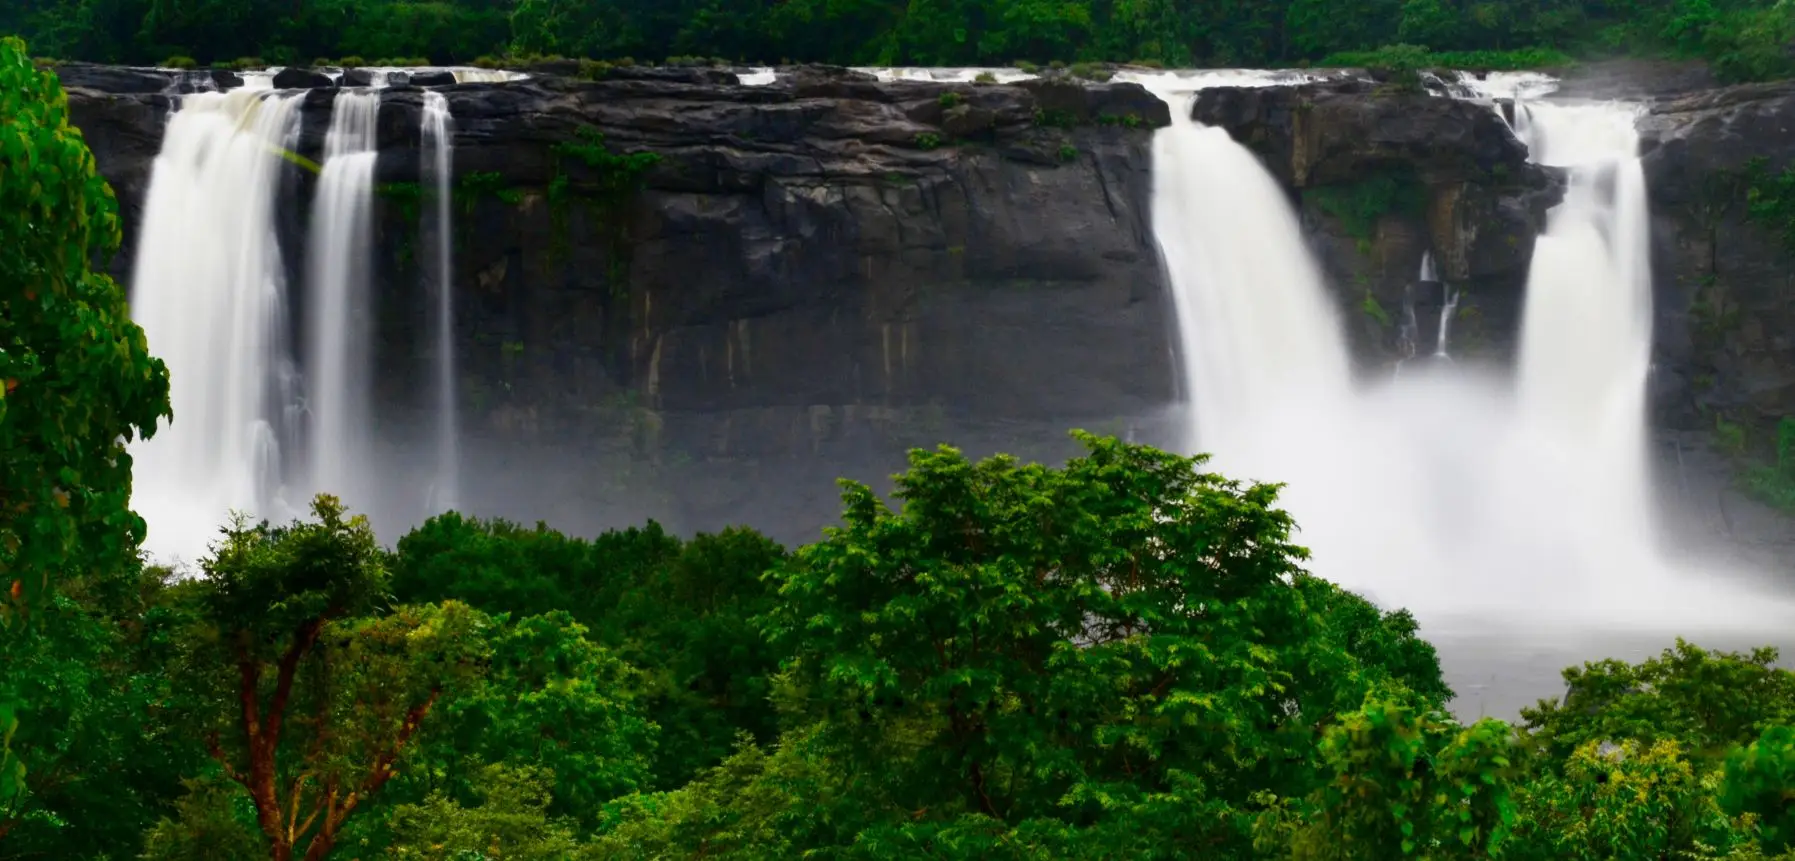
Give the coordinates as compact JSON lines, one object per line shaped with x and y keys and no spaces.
{"x":1758,"y":780}
{"x":89,"y":673}
{"x":1049,"y":648}
{"x":509,"y":822}
{"x":1709,"y":701}
{"x":297,"y":693}
{"x":1769,"y":198}
{"x":1387,"y":57}
{"x":1361,"y":204}
{"x":1388,"y":766}
{"x":680,"y":611}
{"x":1403,"y":63}
{"x":1630,"y":800}
{"x":1742,"y":39}
{"x":77,"y":381}
{"x":608,"y":176}
{"x":559,"y":708}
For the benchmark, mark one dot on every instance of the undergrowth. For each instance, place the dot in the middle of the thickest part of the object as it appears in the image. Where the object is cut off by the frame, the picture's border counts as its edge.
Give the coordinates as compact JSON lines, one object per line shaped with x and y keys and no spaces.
{"x":1360,"y":204}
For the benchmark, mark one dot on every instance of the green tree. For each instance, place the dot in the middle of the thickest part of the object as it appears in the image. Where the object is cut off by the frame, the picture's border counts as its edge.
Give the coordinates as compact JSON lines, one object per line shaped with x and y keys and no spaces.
{"x":1065,"y":652}
{"x":681,"y":612}
{"x":510,"y":822}
{"x":303,"y":697}
{"x":77,"y":381}
{"x":90,"y":669}
{"x":1707,"y":701}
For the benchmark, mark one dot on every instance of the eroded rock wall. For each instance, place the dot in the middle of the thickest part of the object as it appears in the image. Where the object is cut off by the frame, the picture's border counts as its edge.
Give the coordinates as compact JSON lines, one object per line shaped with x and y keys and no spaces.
{"x":812,"y":277}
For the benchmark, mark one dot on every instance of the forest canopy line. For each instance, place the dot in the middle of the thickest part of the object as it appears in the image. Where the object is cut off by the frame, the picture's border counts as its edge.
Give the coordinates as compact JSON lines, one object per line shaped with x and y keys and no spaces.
{"x":1742,"y":39}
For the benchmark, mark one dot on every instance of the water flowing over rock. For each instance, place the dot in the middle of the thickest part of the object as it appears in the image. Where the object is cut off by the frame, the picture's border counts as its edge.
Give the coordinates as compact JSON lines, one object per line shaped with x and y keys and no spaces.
{"x":1384,"y":177}
{"x":814,"y":275}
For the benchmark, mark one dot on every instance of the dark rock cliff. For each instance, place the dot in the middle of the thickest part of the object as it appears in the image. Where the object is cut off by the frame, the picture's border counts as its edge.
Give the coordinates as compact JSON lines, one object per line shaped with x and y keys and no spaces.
{"x":1725,"y":279}
{"x":813,"y":276}
{"x":1382,"y":178}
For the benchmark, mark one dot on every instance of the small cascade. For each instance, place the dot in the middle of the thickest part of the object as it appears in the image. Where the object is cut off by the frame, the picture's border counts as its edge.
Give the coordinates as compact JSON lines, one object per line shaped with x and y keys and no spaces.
{"x":1428,"y":279}
{"x":209,"y":290}
{"x":444,"y":492}
{"x":338,"y":355}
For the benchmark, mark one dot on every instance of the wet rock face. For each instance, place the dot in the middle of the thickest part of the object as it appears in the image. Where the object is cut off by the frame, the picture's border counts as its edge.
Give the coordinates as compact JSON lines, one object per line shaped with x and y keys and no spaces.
{"x":808,"y":279}
{"x":1724,"y":278}
{"x":1381,"y":179}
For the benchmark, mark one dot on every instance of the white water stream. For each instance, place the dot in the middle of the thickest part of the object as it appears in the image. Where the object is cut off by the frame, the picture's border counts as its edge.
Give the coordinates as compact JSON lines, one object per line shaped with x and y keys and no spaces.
{"x":445,"y":488}
{"x":208,"y":290}
{"x":338,"y":357}
{"x":1490,"y":503}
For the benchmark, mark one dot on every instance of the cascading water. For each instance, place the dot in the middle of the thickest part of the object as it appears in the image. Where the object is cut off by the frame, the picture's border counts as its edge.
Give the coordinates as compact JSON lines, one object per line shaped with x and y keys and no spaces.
{"x":1430,"y":275}
{"x":208,"y":289}
{"x":1480,"y":503}
{"x":1587,"y":330}
{"x":338,"y":359}
{"x":445,"y":488}
{"x":1281,"y":349}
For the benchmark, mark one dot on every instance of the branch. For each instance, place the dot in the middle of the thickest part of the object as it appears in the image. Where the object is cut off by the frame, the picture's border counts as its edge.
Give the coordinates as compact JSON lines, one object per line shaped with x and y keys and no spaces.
{"x":303,"y":639}
{"x":217,"y":752}
{"x":378,"y":774}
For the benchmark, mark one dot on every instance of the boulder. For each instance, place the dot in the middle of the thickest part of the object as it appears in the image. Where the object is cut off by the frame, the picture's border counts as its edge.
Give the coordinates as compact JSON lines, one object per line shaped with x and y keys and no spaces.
{"x":113,"y":79}
{"x":301,"y":79}
{"x":225,"y":79}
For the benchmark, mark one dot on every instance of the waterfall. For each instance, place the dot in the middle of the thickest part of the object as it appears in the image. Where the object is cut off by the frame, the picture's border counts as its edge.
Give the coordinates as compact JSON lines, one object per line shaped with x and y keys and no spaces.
{"x":208,"y":288}
{"x":1430,"y":274}
{"x":1475,"y":497}
{"x":339,"y":357}
{"x":445,"y":489}
{"x":1263,"y":338}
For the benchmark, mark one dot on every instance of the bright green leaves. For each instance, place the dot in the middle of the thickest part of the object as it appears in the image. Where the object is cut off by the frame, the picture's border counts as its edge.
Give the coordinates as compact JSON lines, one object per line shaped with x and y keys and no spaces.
{"x":1406,"y":783}
{"x":1025,"y":643}
{"x":78,"y":376}
{"x":1760,"y":780}
{"x":1708,"y":700}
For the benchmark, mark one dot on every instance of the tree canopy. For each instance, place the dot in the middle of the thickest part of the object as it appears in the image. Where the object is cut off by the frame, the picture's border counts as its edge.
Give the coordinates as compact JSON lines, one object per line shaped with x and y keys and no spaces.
{"x":1744,"y":39}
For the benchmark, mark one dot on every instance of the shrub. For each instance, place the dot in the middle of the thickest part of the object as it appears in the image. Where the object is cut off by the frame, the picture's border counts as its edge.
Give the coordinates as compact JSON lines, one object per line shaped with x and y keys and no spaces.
{"x":179,"y":62}
{"x":951,"y":100}
{"x":985,"y":78}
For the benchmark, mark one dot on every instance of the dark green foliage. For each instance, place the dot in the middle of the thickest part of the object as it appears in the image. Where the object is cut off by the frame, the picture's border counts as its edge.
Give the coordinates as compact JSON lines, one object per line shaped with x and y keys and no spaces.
{"x":680,"y":611}
{"x":1362,"y":203}
{"x":1769,"y":198}
{"x":1743,"y":39}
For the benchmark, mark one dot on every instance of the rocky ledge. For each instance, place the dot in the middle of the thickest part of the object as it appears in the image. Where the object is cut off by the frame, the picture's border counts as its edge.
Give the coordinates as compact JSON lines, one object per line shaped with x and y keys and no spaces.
{"x":809,"y":277}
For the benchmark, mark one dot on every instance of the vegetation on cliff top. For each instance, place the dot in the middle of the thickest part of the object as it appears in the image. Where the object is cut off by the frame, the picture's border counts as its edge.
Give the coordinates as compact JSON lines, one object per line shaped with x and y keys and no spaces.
{"x":1744,"y":39}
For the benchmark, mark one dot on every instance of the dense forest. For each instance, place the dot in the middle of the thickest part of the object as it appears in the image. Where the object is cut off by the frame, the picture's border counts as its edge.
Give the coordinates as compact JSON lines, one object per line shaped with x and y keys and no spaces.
{"x":1123,"y":657}
{"x":1743,"y":39}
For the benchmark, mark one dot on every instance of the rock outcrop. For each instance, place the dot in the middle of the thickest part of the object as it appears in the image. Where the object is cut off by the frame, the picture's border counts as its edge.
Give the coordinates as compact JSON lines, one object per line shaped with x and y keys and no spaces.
{"x":1382,"y":178}
{"x":1725,"y":285}
{"x":811,"y":277}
